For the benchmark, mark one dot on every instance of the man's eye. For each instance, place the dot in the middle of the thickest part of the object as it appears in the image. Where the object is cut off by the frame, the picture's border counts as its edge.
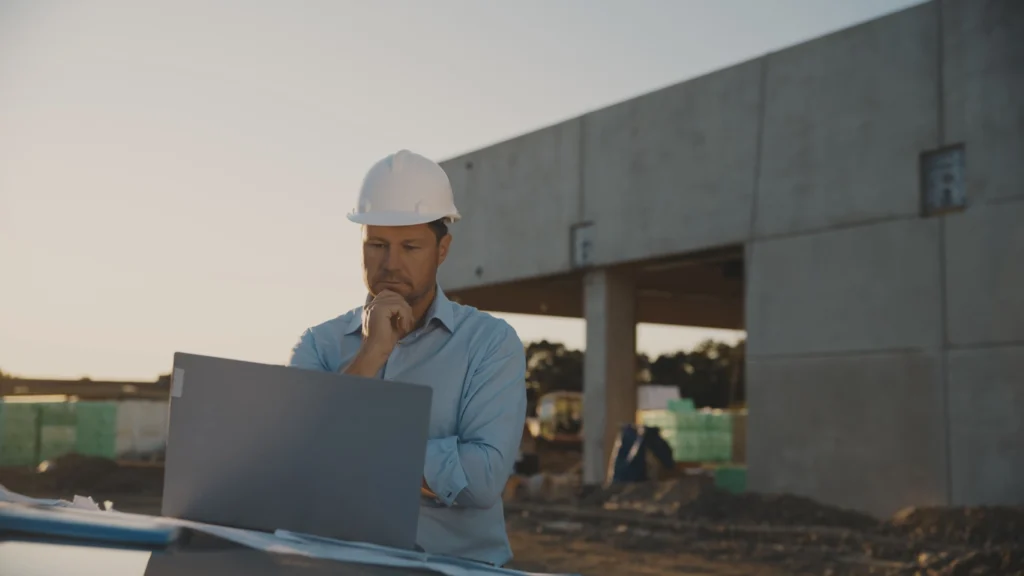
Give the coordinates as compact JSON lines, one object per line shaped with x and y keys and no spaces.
{"x":375,"y":245}
{"x":412,"y":247}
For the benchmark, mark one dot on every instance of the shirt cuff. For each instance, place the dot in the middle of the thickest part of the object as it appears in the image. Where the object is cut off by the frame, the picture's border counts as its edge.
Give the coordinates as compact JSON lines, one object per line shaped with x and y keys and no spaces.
{"x":443,"y":470}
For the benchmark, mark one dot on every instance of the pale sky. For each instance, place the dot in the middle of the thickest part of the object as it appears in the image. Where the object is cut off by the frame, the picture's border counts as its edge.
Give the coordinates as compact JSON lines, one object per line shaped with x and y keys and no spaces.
{"x":174,"y":175}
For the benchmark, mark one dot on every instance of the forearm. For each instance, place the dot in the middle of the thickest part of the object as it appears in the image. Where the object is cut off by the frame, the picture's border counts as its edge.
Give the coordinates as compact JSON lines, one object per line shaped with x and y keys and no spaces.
{"x":471,"y":467}
{"x":366,"y":363}
{"x":470,"y":474}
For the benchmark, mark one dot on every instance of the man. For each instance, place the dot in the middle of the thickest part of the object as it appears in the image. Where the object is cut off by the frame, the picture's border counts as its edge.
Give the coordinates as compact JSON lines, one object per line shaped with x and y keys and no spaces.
{"x":410,"y":332}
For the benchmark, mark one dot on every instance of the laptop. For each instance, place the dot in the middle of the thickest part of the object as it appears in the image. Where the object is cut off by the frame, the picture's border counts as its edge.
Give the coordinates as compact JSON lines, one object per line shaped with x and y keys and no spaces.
{"x":266,"y":447}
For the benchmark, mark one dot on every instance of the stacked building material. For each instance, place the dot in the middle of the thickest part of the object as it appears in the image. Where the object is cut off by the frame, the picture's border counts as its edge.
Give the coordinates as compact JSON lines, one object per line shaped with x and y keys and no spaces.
{"x":31,"y":433}
{"x":57,"y":429}
{"x":19,"y":434}
{"x":96,"y":428}
{"x":694,"y":435}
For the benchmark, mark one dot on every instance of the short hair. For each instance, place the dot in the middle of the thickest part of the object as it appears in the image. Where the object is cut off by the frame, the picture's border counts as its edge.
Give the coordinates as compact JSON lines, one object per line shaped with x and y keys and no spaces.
{"x":440,"y":228}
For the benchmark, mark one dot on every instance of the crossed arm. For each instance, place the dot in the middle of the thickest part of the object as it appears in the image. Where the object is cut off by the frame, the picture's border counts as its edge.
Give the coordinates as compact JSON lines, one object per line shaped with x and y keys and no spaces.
{"x":471,"y":468}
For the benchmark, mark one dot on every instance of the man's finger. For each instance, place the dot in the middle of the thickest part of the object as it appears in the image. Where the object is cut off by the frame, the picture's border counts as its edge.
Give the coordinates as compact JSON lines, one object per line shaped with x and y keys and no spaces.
{"x":388,"y":295}
{"x":399,"y":313}
{"x":404,"y":313}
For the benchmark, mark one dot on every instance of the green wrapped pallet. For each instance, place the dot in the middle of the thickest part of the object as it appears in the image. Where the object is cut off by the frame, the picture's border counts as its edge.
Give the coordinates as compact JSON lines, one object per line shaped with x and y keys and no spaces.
{"x":19,"y":454}
{"x":56,"y":440}
{"x":18,"y":439}
{"x":731,"y":478}
{"x":18,"y":418}
{"x":96,"y":429}
{"x":98,"y":415}
{"x":721,"y":443}
{"x":681,"y":405}
{"x":688,"y":421}
{"x":57,"y":414}
{"x":687,"y":447}
{"x":719,"y":421}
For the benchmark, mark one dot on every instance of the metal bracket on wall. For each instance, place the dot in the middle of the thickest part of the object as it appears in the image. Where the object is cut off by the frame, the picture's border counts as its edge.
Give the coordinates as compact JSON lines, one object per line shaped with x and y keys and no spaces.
{"x":581,"y":244}
{"x":943,"y":180}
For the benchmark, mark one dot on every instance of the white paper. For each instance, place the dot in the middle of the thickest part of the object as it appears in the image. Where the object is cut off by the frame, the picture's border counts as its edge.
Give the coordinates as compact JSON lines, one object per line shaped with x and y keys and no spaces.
{"x":15,"y":498}
{"x":85,"y":503}
{"x":285,"y":542}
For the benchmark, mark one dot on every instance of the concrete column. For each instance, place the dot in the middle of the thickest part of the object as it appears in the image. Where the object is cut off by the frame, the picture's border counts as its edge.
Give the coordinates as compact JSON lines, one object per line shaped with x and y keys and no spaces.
{"x":609,"y":369}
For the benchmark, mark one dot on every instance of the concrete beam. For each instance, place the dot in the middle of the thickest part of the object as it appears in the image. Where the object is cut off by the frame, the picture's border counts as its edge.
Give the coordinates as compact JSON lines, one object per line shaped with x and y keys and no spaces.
{"x":673,"y":171}
{"x":705,"y":291}
{"x":845,"y":119}
{"x":518,"y":200}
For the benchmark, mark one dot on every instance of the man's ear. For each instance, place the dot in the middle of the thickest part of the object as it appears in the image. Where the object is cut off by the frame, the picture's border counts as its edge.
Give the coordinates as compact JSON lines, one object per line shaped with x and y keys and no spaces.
{"x":442,"y":248}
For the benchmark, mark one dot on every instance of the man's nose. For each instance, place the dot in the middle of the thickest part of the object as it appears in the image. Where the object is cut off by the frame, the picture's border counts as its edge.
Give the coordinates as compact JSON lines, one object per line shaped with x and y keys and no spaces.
{"x":392,"y":260}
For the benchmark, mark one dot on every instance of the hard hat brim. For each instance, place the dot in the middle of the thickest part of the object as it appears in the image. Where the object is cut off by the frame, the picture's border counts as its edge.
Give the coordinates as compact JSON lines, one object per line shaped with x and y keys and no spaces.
{"x":398,"y":218}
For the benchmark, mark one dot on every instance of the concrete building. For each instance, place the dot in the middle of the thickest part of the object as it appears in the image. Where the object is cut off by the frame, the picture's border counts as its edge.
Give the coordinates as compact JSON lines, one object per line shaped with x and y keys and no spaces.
{"x":795,"y":196}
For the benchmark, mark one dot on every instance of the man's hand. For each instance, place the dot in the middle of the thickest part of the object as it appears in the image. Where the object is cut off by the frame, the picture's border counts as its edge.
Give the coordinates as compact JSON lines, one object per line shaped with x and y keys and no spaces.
{"x":426,"y":491}
{"x":387,"y":319}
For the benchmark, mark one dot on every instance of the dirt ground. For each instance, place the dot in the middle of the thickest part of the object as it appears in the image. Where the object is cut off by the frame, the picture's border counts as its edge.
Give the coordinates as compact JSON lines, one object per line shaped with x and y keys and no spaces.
{"x":554,"y":553}
{"x":679,"y":526}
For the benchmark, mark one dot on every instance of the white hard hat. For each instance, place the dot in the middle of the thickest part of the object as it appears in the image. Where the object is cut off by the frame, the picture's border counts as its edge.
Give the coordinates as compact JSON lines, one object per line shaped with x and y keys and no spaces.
{"x":402,"y":190}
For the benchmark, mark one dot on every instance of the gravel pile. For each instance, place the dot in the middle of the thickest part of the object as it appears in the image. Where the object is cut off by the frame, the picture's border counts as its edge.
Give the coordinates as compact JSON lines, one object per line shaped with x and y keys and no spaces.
{"x":982,"y":526}
{"x":714,"y":505}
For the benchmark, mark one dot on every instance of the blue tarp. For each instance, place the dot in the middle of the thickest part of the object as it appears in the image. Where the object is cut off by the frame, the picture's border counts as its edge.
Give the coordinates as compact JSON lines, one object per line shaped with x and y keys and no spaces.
{"x":634,"y":445}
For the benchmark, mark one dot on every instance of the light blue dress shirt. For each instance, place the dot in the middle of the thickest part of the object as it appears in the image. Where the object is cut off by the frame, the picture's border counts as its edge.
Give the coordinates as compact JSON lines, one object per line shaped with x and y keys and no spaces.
{"x":476,"y":366}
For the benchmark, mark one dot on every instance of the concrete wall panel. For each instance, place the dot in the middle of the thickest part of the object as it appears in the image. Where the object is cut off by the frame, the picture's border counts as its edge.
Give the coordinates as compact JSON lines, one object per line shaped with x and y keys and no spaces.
{"x":673,"y":171}
{"x":518,"y":200}
{"x":986,"y":401}
{"x":846,"y":117}
{"x":859,"y":431}
{"x":985,"y":274}
{"x":983,"y":79}
{"x":868,"y":288}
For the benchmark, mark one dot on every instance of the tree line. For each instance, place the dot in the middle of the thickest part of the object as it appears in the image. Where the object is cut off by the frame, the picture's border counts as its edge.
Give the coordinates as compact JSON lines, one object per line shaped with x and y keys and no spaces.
{"x":711,"y":374}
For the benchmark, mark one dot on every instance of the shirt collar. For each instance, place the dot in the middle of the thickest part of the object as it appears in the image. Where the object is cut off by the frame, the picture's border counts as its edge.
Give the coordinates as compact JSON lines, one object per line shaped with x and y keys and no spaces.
{"x":440,"y":310}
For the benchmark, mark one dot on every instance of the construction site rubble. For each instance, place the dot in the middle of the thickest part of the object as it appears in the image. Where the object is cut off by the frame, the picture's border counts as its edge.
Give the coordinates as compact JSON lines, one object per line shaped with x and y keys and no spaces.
{"x":690,"y":514}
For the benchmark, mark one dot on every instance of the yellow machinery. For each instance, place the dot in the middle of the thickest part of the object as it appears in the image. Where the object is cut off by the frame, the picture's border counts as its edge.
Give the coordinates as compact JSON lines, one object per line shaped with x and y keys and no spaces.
{"x":561,"y":417}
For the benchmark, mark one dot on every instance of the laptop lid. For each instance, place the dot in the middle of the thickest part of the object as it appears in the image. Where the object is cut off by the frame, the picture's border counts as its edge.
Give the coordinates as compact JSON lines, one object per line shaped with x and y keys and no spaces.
{"x":271,"y":447}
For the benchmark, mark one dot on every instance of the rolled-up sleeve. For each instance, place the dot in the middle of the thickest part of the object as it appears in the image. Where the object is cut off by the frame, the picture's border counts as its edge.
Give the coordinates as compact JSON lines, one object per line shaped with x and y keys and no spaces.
{"x":471,"y":469}
{"x":305,"y":354}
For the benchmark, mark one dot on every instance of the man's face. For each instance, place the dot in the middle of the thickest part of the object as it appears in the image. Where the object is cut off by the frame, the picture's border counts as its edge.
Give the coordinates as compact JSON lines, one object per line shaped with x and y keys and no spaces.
{"x":403,"y":259}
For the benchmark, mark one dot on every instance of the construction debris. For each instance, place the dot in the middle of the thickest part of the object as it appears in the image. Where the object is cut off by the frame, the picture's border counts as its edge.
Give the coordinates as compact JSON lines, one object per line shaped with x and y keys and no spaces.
{"x":981,"y":526}
{"x":690,"y":515}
